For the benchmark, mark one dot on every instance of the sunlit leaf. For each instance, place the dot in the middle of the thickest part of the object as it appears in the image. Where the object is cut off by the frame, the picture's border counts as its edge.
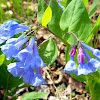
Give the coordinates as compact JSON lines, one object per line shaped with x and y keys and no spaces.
{"x":75,"y":19}
{"x":48,"y":52}
{"x":2,"y":58}
{"x":47,"y":16}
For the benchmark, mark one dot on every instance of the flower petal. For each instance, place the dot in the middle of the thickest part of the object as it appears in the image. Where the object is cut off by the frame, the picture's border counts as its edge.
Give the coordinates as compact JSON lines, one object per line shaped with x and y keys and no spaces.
{"x":70,"y":67}
{"x":84,"y":69}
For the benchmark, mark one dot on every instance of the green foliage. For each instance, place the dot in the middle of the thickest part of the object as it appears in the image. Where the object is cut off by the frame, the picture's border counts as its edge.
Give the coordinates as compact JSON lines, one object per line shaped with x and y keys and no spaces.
{"x":86,"y":2}
{"x":80,"y":78}
{"x":63,"y":3}
{"x":67,"y":2}
{"x":34,"y":95}
{"x":2,"y":16}
{"x":47,"y":16}
{"x":2,"y":58}
{"x":56,"y":14}
{"x":72,"y":20}
{"x":7,"y":80}
{"x":94,"y":30}
{"x":48,"y":52}
{"x":17,"y":4}
{"x":41,"y":9}
{"x":95,"y":76}
{"x":93,"y":8}
{"x":97,"y":91}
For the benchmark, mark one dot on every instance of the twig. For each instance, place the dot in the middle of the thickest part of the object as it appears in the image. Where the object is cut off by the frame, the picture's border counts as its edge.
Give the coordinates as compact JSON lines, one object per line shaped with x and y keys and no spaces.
{"x":46,"y":40}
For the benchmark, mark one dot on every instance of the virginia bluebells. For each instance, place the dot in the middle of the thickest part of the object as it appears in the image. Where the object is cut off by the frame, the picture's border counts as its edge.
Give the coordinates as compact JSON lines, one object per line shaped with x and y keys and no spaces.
{"x":83,"y":68}
{"x":11,"y":28}
{"x":70,"y":67}
{"x":95,"y":52}
{"x":37,"y":61}
{"x":26,"y":54}
{"x":29,"y":61}
{"x":92,"y":63}
{"x":11,"y":48}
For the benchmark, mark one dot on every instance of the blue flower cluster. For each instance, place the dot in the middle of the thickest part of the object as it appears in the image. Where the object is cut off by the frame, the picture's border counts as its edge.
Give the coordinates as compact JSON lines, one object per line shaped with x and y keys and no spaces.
{"x":29,"y":62}
{"x":11,"y":28}
{"x":92,"y":66}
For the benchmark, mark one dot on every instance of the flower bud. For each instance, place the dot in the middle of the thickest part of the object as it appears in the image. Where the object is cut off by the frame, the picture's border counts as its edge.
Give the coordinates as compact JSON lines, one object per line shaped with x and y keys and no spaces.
{"x":81,"y":56}
{"x":72,"y":52}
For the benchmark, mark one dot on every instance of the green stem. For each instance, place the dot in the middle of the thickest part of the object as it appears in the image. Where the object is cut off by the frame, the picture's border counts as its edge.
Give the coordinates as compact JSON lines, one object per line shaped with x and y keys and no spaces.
{"x":5,"y":97}
{"x":91,"y":88}
{"x":6,"y":90}
{"x":60,"y":38}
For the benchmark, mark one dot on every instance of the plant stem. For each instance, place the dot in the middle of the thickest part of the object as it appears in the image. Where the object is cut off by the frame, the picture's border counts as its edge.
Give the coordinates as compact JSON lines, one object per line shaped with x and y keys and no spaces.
{"x":60,"y":38}
{"x":45,"y":41}
{"x":4,"y":98}
{"x":91,"y":88}
{"x":6,"y":90}
{"x":72,"y":34}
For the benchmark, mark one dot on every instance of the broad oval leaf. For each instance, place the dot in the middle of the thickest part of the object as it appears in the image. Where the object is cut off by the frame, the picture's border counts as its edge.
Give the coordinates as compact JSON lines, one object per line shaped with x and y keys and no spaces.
{"x":75,"y":19}
{"x":48,"y":52}
{"x":56,"y":14}
{"x":47,"y":16}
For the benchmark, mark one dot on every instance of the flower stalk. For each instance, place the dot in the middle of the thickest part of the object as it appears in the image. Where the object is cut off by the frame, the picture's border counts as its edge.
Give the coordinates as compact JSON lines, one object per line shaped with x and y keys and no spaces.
{"x":90,"y":88}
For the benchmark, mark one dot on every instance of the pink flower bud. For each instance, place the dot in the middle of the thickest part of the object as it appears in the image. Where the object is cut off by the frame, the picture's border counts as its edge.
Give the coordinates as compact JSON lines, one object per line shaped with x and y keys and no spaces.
{"x":72,"y":52}
{"x":81,"y":56}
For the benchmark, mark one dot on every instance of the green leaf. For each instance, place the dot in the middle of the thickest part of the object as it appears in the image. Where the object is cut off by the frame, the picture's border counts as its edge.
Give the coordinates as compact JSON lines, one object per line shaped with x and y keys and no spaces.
{"x":56,"y":14}
{"x":94,"y":30}
{"x":80,"y":78}
{"x":67,"y":57}
{"x":67,"y":2}
{"x":8,"y":81}
{"x":63,"y":3}
{"x":47,"y":16}
{"x":86,"y":3}
{"x":97,"y":91}
{"x":48,"y":52}
{"x":95,"y":76}
{"x":93,"y":8}
{"x":75,"y":19}
{"x":2,"y":59}
{"x":34,"y":95}
{"x":41,"y":9}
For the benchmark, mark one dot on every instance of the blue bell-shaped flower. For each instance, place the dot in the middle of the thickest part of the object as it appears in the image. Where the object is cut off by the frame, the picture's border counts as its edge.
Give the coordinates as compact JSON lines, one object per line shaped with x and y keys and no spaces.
{"x":70,"y":67}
